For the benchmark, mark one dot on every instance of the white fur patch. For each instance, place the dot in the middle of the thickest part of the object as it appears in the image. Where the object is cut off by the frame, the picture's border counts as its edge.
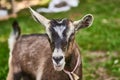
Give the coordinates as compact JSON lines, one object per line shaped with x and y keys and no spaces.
{"x":48,"y":33}
{"x":59,"y":68}
{"x":58,"y":53}
{"x":11,"y":42}
{"x":59,"y":30}
{"x":71,"y":30}
{"x":40,"y":69}
{"x":10,"y":59}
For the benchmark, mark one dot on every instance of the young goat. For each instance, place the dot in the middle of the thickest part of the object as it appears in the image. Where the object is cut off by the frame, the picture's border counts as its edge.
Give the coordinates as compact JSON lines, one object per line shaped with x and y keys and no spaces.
{"x":50,"y":56}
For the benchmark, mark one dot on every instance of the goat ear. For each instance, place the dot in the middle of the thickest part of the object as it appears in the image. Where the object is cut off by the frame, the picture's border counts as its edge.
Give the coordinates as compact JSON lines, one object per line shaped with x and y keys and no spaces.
{"x":39,"y":18}
{"x":86,"y":21}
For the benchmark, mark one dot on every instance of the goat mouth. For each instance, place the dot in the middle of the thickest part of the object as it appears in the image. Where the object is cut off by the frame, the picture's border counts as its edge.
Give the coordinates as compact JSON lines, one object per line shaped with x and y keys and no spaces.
{"x":59,"y":67}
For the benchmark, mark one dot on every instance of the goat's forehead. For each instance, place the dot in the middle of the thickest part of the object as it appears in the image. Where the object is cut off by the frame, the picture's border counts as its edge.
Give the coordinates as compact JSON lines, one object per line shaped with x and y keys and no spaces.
{"x":59,"y":26}
{"x":59,"y":22}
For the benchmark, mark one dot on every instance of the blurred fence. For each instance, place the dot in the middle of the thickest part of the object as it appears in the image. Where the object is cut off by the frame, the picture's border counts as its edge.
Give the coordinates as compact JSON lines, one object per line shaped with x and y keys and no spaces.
{"x":9,"y":8}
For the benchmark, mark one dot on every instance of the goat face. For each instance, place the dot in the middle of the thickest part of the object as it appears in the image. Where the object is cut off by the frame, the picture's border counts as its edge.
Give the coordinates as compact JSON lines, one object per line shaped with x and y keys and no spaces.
{"x":61,"y":35}
{"x":59,"y":41}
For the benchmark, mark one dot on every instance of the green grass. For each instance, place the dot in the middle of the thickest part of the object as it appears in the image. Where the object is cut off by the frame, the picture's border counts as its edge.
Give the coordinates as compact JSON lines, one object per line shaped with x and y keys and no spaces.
{"x":99,"y":44}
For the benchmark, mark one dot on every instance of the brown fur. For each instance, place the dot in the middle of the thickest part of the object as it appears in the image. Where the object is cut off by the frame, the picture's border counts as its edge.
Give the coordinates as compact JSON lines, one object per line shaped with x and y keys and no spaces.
{"x":32,"y":56}
{"x":27,"y":56}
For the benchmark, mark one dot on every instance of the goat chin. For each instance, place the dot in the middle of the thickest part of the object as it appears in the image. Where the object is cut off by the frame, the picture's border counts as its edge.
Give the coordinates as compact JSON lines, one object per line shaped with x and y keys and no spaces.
{"x":59,"y":68}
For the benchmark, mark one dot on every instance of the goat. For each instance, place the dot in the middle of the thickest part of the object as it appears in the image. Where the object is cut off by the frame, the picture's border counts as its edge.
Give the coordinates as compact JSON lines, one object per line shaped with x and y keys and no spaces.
{"x":50,"y":56}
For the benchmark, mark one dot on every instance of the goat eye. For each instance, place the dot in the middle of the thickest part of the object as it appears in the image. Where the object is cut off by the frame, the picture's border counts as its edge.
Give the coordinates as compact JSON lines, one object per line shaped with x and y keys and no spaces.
{"x":64,"y":45}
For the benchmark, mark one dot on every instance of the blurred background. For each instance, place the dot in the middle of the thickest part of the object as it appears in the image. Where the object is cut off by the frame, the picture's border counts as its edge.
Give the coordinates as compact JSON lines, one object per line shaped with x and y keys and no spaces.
{"x":99,"y":44}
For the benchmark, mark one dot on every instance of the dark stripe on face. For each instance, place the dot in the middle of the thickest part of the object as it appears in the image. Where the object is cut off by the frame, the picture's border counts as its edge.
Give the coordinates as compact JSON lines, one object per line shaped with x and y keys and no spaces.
{"x":59,"y":22}
{"x":57,"y":41}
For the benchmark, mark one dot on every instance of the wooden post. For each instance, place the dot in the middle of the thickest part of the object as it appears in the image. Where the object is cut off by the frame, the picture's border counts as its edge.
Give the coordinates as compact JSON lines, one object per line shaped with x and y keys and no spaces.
{"x":12,"y":2}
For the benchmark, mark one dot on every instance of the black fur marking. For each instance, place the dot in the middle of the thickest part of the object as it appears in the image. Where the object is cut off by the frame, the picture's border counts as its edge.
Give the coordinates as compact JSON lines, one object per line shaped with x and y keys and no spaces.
{"x":16,"y":29}
{"x":18,"y":76}
{"x":58,"y":42}
{"x":28,"y":76}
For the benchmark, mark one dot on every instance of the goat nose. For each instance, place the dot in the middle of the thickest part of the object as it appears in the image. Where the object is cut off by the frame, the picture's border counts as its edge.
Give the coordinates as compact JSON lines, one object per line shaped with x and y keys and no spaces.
{"x":57,"y":59}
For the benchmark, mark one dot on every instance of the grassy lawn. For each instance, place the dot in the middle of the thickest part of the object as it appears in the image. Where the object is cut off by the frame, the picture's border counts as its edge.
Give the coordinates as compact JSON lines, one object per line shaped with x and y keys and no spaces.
{"x":99,"y":44}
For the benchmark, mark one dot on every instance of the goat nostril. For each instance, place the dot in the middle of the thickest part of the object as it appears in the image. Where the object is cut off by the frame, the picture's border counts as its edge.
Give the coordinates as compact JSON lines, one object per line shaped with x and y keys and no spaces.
{"x":61,"y":57}
{"x":57,"y":59}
